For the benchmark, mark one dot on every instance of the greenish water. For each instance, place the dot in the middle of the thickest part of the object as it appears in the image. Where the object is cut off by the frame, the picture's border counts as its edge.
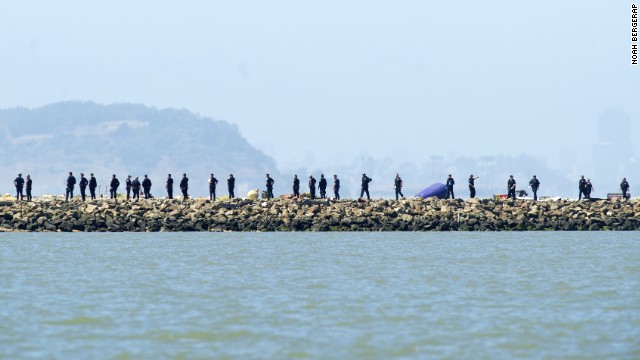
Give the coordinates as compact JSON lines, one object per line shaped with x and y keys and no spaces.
{"x":320,"y":295}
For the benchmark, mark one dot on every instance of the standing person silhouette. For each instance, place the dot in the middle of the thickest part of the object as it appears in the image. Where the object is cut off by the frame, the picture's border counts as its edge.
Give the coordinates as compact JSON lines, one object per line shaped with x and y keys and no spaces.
{"x":364,"y":186}
{"x":135,"y":186}
{"x":322,"y":186}
{"x":312,"y":186}
{"x":336,"y":187}
{"x":113,"y":187}
{"x":93,"y":184}
{"x":296,"y":186}
{"x":71,"y":183}
{"x":511,"y":188}
{"x":398,"y":184}
{"x":472,"y":186}
{"x":127,"y":185}
{"x":581,"y":185}
{"x":449,"y":186}
{"x":184,"y":186}
{"x":212,"y":187}
{"x":83,"y":187}
{"x":19,"y":184}
{"x":146,"y":187}
{"x":624,"y":186}
{"x":588,"y":187}
{"x":231,"y":184}
{"x":169,"y":186}
{"x":269,"y":186}
{"x":29,"y":185}
{"x":534,"y":183}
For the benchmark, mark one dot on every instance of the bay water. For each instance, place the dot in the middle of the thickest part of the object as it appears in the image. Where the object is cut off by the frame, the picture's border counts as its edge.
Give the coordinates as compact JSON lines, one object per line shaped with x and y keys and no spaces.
{"x":539,"y":295}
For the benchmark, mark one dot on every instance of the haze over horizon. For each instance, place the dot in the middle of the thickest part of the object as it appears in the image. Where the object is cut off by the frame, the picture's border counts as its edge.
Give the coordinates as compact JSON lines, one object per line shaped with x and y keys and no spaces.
{"x":314,"y":83}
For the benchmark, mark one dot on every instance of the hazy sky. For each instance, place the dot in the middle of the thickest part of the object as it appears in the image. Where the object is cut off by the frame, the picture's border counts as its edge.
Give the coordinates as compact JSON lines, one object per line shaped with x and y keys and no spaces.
{"x":328,"y":80}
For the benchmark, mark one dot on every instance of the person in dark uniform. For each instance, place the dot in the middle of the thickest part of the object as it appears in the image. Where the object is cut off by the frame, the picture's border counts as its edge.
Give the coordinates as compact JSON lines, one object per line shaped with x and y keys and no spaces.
{"x":336,"y":187}
{"x":364,"y":186}
{"x":581,"y":184}
{"x":624,"y":186}
{"x":29,"y":184}
{"x":212,"y":187}
{"x":588,"y":187}
{"x":472,"y":186}
{"x":534,"y":184}
{"x":449,"y":185}
{"x":398,"y":184}
{"x":184,"y":186}
{"x":322,"y":185}
{"x":135,"y":186}
{"x":146,"y":187}
{"x":269,"y":186}
{"x":83,"y":186}
{"x":511,"y":188}
{"x":296,"y":186}
{"x":19,"y":184}
{"x":127,"y":185}
{"x":93,"y":184}
{"x":231,"y":184}
{"x":113,"y":187}
{"x":169,"y":187}
{"x":71,"y":183}
{"x":312,"y":186}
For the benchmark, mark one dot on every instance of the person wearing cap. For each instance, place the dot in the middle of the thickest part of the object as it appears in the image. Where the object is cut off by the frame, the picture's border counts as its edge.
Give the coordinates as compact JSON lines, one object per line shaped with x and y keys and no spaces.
{"x":449,"y":185}
{"x":29,"y":184}
{"x":71,"y":183}
{"x":269,"y":186}
{"x":312,"y":186}
{"x":146,"y":186}
{"x":212,"y":187}
{"x":169,"y":187}
{"x":397,"y":184}
{"x":184,"y":186}
{"x":364,"y":186}
{"x":127,"y":185}
{"x":322,"y":185}
{"x":511,"y":188}
{"x":624,"y":186}
{"x":231,"y":184}
{"x":296,"y":186}
{"x":534,"y":183}
{"x":135,"y":186}
{"x":113,"y":187}
{"x":93,"y":184}
{"x":472,"y":186}
{"x":336,"y":187}
{"x":83,"y":186}
{"x":19,"y":184}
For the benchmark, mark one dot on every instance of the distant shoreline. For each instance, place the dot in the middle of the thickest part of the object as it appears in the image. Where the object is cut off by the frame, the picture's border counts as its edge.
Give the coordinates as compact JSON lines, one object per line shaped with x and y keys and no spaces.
{"x":318,"y":215}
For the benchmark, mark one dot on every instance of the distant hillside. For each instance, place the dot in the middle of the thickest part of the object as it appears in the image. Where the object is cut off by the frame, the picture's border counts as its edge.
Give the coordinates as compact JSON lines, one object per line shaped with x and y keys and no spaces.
{"x":123,"y":139}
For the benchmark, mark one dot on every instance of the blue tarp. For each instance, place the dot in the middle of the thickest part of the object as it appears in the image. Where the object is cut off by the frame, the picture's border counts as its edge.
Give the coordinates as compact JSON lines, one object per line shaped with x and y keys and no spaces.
{"x":436,"y":190}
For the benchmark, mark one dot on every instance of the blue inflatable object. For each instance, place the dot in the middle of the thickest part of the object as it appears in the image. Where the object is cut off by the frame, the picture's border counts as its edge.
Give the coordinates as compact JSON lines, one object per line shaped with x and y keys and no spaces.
{"x":436,"y":190}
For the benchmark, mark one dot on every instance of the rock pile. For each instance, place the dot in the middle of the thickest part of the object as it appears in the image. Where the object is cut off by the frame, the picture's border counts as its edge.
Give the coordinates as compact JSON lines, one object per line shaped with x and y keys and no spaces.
{"x":319,"y":215}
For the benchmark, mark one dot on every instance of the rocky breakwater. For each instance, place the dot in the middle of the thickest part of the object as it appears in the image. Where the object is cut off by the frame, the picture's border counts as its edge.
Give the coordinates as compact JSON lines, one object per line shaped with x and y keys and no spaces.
{"x":319,"y":215}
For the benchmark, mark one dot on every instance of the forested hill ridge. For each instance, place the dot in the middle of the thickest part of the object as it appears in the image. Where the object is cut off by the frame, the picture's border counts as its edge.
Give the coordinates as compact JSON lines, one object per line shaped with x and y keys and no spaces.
{"x":122,"y":139}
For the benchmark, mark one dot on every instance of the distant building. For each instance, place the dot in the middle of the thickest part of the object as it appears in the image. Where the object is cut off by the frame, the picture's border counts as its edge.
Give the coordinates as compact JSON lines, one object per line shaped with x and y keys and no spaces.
{"x":613,"y":152}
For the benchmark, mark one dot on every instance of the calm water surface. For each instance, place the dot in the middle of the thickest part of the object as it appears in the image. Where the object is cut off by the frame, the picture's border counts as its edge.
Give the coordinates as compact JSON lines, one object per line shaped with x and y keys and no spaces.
{"x":320,"y":295}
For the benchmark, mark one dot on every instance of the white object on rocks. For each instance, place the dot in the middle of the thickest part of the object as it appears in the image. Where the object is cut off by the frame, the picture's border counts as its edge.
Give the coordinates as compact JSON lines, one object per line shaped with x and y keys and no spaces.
{"x":253,"y":194}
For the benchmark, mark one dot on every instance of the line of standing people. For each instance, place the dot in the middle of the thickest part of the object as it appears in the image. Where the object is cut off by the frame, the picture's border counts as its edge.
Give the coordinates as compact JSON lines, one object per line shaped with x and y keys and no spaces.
{"x":585,"y":187}
{"x":322,"y":186}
